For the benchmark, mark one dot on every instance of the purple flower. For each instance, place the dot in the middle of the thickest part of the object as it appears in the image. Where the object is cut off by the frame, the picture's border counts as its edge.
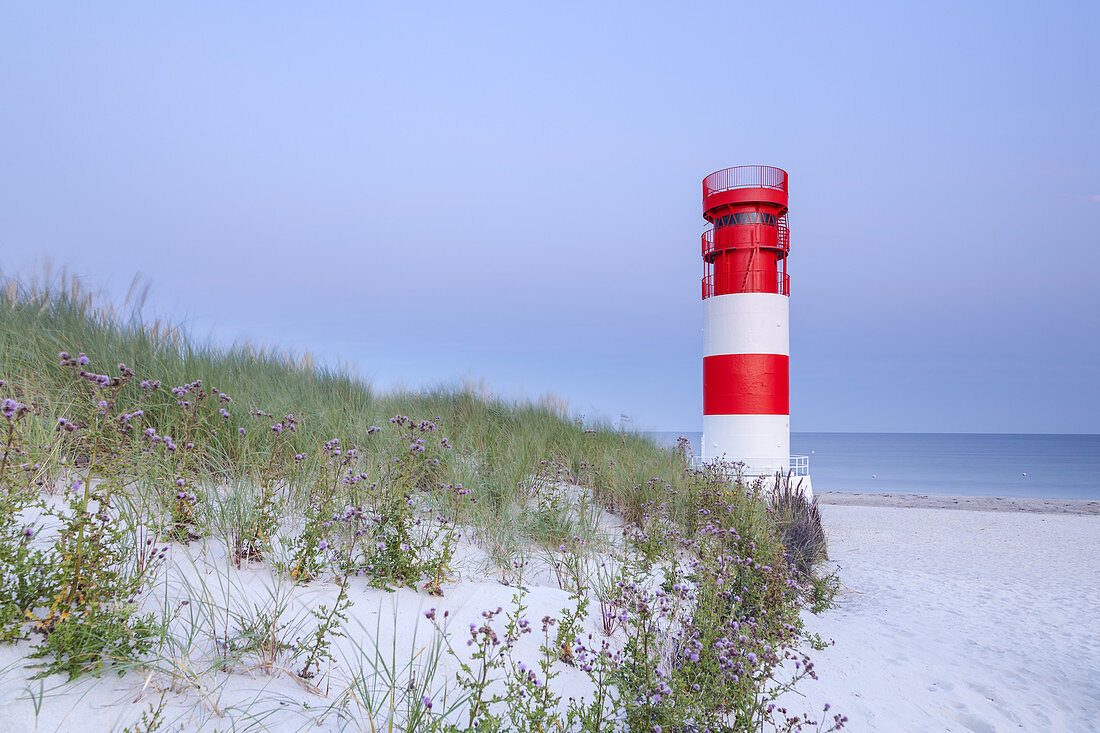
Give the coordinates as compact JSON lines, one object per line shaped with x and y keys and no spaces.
{"x":240,"y":430}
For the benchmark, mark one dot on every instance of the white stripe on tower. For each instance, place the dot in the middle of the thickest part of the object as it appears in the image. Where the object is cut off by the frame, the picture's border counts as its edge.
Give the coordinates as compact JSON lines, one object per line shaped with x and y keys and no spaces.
{"x":746,"y":323}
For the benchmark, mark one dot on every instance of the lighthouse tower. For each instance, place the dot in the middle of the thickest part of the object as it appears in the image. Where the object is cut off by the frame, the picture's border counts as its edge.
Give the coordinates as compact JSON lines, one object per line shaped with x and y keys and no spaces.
{"x":746,"y":344}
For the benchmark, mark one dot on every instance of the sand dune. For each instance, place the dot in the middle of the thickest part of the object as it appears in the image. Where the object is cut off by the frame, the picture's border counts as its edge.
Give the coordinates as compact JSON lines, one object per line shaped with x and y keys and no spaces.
{"x":947,"y":621}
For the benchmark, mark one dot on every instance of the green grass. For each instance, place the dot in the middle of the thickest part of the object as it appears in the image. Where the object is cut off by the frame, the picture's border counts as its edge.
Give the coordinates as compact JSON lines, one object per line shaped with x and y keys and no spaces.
{"x":314,"y":474}
{"x":498,"y":443}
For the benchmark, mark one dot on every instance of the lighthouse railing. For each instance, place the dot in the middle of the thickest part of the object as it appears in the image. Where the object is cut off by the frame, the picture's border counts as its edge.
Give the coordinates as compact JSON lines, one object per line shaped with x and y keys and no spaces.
{"x":783,"y":284}
{"x":715,"y":240}
{"x":800,"y":465}
{"x":745,"y":176}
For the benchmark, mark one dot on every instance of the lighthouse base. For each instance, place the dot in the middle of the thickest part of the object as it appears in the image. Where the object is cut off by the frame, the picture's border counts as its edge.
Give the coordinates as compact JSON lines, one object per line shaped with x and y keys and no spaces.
{"x":797,"y":471}
{"x":801,"y":483}
{"x":761,"y":442}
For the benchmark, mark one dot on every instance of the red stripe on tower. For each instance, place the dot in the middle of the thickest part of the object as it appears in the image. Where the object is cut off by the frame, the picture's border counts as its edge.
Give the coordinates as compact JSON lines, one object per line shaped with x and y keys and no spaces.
{"x":746,"y":384}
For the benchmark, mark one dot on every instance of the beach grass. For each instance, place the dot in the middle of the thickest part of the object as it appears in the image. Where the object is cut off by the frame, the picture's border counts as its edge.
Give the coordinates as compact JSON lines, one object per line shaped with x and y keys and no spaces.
{"x":125,"y":438}
{"x":499,"y":443}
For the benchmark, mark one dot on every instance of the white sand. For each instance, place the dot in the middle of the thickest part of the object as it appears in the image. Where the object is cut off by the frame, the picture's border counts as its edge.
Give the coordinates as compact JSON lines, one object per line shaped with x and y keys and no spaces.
{"x":252,"y":696}
{"x":949,"y":621}
{"x":961,"y":621}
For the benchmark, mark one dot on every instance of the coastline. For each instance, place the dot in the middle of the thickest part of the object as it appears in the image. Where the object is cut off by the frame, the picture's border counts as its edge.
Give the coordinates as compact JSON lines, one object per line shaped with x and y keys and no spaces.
{"x":966,"y":503}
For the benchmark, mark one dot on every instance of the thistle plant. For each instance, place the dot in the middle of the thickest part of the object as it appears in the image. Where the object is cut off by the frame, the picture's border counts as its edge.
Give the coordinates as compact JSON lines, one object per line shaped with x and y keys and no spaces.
{"x":91,"y":616}
{"x":533,"y":705}
{"x":256,"y":529}
{"x":24,"y":577}
{"x":396,"y":539}
{"x":571,"y":566}
{"x":310,"y":549}
{"x":328,"y":627}
{"x":489,"y":658}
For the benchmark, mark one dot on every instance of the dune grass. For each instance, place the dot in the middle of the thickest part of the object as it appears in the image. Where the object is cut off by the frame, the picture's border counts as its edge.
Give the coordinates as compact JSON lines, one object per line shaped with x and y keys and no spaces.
{"x":498,"y":443}
{"x":140,"y":437}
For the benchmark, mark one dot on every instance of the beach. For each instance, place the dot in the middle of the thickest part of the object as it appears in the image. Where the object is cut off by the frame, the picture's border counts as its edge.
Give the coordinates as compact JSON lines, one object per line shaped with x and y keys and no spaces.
{"x":972,"y":503}
{"x":948,"y":620}
{"x":982,"y":619}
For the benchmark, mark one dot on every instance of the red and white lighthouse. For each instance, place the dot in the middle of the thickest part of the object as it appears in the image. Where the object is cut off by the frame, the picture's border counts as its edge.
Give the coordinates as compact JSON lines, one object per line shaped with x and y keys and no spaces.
{"x":746,"y":342}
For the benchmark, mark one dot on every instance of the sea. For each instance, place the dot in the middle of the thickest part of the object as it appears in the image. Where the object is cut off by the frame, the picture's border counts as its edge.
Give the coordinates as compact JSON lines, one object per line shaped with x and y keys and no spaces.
{"x":960,"y":464}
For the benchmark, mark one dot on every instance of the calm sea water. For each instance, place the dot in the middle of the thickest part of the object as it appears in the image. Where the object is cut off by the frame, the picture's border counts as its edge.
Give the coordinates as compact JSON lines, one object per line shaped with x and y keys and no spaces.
{"x":965,"y":464}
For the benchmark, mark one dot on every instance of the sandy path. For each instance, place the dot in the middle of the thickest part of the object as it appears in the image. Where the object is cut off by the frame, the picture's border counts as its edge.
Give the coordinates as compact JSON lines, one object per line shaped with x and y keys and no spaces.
{"x":961,"y":621}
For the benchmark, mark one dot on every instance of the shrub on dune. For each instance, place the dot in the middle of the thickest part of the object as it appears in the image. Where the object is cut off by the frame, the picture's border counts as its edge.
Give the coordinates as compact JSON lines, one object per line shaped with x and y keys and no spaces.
{"x":798,"y":523}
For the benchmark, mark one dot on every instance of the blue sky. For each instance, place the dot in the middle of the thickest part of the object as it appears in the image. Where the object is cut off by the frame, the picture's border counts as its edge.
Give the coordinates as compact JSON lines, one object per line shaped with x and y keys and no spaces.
{"x":512,"y":191}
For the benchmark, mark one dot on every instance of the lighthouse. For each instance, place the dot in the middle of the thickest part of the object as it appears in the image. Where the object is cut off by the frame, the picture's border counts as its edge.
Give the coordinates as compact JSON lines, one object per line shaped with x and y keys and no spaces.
{"x":746,"y":341}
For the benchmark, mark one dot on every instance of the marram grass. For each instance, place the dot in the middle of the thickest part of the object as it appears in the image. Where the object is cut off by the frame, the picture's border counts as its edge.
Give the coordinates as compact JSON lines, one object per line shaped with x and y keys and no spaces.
{"x":127,"y":436}
{"x":499,"y":443}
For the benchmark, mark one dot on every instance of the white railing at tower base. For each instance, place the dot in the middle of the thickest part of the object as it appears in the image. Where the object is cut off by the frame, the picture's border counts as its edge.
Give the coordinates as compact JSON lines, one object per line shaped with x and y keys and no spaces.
{"x":799,"y":465}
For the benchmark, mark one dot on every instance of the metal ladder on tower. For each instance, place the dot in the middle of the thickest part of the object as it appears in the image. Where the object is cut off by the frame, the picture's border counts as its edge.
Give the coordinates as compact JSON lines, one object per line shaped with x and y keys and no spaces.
{"x":745,"y":280}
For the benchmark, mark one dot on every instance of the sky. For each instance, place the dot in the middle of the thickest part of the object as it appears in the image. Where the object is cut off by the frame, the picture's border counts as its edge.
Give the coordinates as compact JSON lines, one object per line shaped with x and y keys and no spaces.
{"x":510,"y":193}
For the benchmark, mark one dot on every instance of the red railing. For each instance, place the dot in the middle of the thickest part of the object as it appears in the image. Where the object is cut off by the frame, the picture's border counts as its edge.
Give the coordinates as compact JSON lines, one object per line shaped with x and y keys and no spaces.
{"x":745,"y":176}
{"x":783,"y":285}
{"x":709,"y":246}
